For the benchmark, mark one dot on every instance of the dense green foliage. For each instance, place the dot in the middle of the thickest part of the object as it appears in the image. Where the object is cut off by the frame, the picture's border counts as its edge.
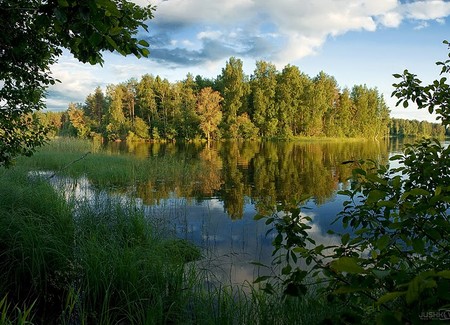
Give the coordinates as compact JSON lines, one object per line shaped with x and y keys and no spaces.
{"x":393,"y":263}
{"x":414,"y":128}
{"x":34,"y":33}
{"x":269,"y":104}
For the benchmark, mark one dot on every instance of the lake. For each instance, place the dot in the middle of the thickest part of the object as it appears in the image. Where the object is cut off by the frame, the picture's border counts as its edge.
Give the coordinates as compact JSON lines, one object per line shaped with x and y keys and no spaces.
{"x":210,"y":194}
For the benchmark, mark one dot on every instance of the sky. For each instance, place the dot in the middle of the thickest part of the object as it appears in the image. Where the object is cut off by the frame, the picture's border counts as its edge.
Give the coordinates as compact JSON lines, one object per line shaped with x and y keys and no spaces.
{"x":355,"y":41}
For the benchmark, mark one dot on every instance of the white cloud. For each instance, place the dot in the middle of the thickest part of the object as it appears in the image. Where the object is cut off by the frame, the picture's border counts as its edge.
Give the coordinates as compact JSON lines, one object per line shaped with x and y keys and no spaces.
{"x":305,"y":24}
{"x":210,"y":34}
{"x":194,"y":11}
{"x":390,"y":19}
{"x":77,"y":79}
{"x":426,"y":10}
{"x":421,"y":25}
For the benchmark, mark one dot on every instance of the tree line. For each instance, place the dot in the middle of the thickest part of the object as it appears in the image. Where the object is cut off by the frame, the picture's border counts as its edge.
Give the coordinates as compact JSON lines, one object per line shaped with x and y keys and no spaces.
{"x":269,"y":104}
{"x":415,"y":128}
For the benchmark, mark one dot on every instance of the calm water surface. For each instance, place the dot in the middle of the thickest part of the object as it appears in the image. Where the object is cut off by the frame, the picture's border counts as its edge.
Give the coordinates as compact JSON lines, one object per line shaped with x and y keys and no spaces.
{"x":217,"y":190}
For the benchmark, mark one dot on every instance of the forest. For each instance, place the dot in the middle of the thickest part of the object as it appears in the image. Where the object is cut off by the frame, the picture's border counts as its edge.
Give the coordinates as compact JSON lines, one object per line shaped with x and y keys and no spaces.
{"x":267,"y":104}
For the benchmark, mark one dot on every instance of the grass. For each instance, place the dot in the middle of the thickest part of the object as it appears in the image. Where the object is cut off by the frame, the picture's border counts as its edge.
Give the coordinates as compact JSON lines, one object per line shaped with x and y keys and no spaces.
{"x":104,"y":261}
{"x":103,"y":266}
{"x":76,"y":158}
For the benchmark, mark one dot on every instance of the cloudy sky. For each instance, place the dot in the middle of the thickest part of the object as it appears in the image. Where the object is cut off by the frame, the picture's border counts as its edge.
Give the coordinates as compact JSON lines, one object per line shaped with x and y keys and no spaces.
{"x":356,"y":41}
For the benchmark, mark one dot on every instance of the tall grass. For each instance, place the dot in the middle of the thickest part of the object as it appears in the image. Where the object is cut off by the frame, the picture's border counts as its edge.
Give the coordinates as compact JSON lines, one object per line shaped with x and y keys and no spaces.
{"x":105,"y":266}
{"x":106,"y":170}
{"x":36,"y":235}
{"x":107,"y":262}
{"x":130,"y":270}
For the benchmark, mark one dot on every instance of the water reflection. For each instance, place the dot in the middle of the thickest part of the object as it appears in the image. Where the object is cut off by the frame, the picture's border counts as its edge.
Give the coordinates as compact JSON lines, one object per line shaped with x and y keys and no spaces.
{"x":261,"y":172}
{"x":212,"y":192}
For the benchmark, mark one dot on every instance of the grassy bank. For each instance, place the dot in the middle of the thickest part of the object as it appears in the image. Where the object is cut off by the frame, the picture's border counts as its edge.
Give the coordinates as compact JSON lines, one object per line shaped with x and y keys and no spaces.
{"x":101,"y":267}
{"x":83,"y":263}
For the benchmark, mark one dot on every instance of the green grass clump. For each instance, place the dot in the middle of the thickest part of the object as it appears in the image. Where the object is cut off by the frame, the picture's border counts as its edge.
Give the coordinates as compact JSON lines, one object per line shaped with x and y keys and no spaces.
{"x":36,"y":236}
{"x":101,"y":265}
{"x":130,"y":271}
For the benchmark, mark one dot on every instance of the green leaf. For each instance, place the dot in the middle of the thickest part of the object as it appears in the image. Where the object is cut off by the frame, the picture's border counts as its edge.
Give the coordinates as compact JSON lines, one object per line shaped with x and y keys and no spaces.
{"x":433,"y":233}
{"x":419,"y":191}
{"x":374,"y":254}
{"x":345,"y":238}
{"x":381,"y":274}
{"x":386,"y":204}
{"x":444,"y":274}
{"x":438,"y":190}
{"x":412,"y":294}
{"x":286,"y":270}
{"x":396,"y":157}
{"x":143,"y":43}
{"x":347,"y":264}
{"x":262,"y":278}
{"x":258,"y":217}
{"x":390,"y":296}
{"x":418,"y":245}
{"x":346,"y":289}
{"x":145,"y":52}
{"x":63,"y":3}
{"x":359,"y":171}
{"x":375,"y":196}
{"x":111,"y":42}
{"x":259,"y":264}
{"x":382,"y":242}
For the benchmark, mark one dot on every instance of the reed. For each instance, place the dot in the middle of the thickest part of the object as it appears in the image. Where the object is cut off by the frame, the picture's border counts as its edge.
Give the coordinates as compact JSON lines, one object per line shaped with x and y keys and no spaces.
{"x":106,"y":265}
{"x":77,"y":158}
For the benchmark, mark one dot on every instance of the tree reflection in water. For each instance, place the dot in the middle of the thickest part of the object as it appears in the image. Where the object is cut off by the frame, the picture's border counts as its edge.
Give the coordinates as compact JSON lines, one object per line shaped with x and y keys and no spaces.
{"x":221,"y":187}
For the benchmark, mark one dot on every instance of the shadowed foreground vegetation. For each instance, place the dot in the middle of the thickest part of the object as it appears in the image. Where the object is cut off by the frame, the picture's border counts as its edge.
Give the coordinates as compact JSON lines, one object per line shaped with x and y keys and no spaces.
{"x":106,"y":262}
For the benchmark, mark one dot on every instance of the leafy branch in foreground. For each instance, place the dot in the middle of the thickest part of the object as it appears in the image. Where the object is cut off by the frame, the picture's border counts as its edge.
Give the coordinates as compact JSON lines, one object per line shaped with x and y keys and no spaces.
{"x":33,"y":35}
{"x":393,"y":263}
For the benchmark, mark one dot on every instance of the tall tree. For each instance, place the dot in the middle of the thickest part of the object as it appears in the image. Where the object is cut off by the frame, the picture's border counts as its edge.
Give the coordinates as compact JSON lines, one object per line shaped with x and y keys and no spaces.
{"x":263,"y":86}
{"x":290,"y":91}
{"x":95,"y":107}
{"x":209,"y":111}
{"x":78,"y":121}
{"x":187,"y":120}
{"x":146,"y":106}
{"x":346,"y":117}
{"x":371,"y":112}
{"x":116,"y":128}
{"x":34,"y":34}
{"x":322,"y":103}
{"x":234,"y":88}
{"x":162,"y":89}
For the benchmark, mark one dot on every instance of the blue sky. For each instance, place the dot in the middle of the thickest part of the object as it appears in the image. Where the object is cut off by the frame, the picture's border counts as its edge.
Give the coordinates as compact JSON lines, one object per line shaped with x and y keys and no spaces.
{"x":356,"y":41}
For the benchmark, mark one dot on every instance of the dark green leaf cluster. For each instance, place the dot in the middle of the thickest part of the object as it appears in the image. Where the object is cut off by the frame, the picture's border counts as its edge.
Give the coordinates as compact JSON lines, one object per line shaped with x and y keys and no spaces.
{"x":435,"y":97}
{"x":34,"y":32}
{"x":393,"y":261}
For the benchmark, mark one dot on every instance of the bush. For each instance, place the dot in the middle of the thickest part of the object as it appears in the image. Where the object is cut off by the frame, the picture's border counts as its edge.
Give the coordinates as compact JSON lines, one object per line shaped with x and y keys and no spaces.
{"x":393,"y":264}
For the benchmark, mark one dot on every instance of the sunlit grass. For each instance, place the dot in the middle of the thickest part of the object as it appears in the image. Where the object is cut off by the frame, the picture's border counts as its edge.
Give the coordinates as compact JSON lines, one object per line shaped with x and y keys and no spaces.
{"x":76,"y":158}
